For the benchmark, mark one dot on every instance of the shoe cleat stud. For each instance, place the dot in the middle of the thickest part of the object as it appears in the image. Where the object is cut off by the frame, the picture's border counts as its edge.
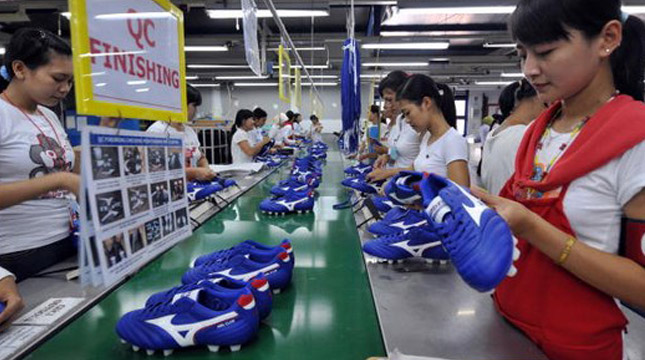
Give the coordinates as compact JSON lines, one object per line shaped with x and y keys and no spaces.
{"x":443,"y":262}
{"x":167,"y":352}
{"x":429,"y":261}
{"x":512,"y":271}
{"x":390,"y":262}
{"x":276,"y":291}
{"x":235,"y":348}
{"x":123,"y":341}
{"x":150,"y":352}
{"x":135,"y":348}
{"x":514,"y":241}
{"x":213,"y":348}
{"x":516,"y":253}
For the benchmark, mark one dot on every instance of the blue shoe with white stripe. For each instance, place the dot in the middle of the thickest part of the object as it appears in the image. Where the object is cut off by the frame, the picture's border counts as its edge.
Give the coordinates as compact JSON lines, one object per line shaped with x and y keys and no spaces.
{"x":419,"y":242}
{"x":226,"y":289}
{"x":293,"y":184}
{"x":384,"y":204}
{"x":245,"y":248}
{"x":403,"y":188}
{"x":277,"y":269}
{"x":201,"y":190}
{"x":362,"y":185}
{"x":359,"y":169}
{"x":398,"y":220}
{"x":290,"y":203}
{"x":196,"y":318}
{"x":478,"y":240}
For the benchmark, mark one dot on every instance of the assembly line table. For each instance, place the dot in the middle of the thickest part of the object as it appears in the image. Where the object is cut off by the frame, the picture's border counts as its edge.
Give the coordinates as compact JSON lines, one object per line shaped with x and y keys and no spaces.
{"x":326,"y":313}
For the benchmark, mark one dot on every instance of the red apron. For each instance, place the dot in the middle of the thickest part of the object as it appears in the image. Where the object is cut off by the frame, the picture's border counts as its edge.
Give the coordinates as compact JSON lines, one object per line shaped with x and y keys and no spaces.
{"x":565,"y":317}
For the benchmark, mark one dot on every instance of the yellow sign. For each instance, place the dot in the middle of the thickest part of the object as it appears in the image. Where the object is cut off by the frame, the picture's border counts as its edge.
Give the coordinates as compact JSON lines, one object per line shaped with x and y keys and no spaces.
{"x":129,"y":59}
{"x":284,"y":84}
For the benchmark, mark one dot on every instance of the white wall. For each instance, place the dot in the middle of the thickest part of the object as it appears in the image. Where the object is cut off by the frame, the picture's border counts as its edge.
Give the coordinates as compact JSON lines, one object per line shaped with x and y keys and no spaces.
{"x":222,"y":104}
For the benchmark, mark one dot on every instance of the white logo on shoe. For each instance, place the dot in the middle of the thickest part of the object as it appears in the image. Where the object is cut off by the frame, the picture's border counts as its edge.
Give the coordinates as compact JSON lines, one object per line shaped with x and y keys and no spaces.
{"x":191,"y":329}
{"x":477,"y":209}
{"x":403,"y":226}
{"x":291,"y":205}
{"x":416,"y":250}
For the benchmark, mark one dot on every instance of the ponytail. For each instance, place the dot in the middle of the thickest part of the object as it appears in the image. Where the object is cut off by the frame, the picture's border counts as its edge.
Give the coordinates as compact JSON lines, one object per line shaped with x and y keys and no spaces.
{"x":628,"y":60}
{"x":419,"y":86}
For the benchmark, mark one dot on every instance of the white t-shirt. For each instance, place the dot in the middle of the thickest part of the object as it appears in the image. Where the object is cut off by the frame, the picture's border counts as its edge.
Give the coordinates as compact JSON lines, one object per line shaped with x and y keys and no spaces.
{"x":284,"y":134}
{"x":593,"y":203}
{"x":434,"y":158}
{"x":189,"y":136}
{"x":239,"y":157}
{"x":26,"y":154}
{"x":498,"y":156}
{"x":317,"y":133}
{"x":255,"y":137}
{"x":406,"y":141}
{"x":306,"y":127}
{"x":274,"y":131}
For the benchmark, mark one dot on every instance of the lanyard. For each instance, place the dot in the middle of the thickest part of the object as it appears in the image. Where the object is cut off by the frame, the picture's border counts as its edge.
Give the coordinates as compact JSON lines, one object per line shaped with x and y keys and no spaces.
{"x":4,"y":95}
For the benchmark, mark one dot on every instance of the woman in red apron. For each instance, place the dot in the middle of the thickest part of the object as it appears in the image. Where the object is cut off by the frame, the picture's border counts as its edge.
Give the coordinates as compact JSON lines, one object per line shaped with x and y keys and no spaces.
{"x":579,"y":169}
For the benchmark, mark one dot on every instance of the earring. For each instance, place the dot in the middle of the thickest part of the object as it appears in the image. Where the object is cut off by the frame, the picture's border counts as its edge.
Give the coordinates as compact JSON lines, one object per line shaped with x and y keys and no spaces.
{"x":607,"y":51}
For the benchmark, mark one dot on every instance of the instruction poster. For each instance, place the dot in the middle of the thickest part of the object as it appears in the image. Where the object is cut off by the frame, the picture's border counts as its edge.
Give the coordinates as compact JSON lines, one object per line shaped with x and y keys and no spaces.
{"x":136,"y":197}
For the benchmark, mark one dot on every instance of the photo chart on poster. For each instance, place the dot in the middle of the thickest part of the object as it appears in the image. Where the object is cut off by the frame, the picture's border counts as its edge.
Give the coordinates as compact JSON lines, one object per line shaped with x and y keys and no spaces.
{"x":135,"y":196}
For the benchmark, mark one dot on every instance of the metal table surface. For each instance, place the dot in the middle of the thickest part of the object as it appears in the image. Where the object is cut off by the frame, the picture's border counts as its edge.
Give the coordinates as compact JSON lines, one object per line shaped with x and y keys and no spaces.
{"x":327,"y":312}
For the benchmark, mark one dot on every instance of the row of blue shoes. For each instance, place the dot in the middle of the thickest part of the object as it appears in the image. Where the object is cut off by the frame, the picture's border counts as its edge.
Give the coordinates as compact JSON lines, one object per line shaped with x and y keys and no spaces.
{"x":222,"y":299}
{"x":453,"y":225}
{"x":200,"y":190}
{"x":297,"y":193}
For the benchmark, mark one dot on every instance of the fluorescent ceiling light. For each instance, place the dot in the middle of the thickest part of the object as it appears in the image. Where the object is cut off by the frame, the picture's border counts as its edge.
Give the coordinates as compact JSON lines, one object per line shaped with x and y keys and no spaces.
{"x":500,"y":45}
{"x":285,"y":13}
{"x":245,"y":84}
{"x":66,"y":14}
{"x":114,"y":53}
{"x":317,"y":76}
{"x":372,"y":76}
{"x":137,"y":82}
{"x":135,"y":15}
{"x":493,"y":83}
{"x":321,"y":84}
{"x":634,"y":9}
{"x":217,"y":66}
{"x":512,"y":75}
{"x":443,"y":45}
{"x":470,"y":10}
{"x":206,"y":48}
{"x":205,"y":85}
{"x":192,"y":77}
{"x":2,"y":51}
{"x":143,"y":90}
{"x":396,"y":64}
{"x":439,"y":59}
{"x":315,"y":48}
{"x":241,"y":77}
{"x":100,"y":84}
{"x":306,"y":66}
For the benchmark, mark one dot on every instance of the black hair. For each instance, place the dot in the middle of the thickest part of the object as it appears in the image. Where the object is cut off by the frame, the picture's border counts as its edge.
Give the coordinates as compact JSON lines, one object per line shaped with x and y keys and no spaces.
{"x":296,"y":116}
{"x":33,"y":47}
{"x":312,"y":117}
{"x":290,"y":115}
{"x":241,"y":115}
{"x":420,"y":86}
{"x":375,"y":109}
{"x":514,"y":93}
{"x":542,"y":21}
{"x":393,"y":81}
{"x":193,"y":96}
{"x":259,"y":113}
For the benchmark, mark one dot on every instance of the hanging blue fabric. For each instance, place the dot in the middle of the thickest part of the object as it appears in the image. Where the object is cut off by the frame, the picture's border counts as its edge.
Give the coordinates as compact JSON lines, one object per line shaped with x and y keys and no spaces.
{"x":350,"y":93}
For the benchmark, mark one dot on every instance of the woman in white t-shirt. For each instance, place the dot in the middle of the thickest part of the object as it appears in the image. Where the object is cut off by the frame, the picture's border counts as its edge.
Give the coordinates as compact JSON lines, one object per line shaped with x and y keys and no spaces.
{"x":403,"y":141}
{"x":36,"y":162}
{"x":241,"y":149}
{"x":519,"y":105}
{"x":197,"y":167}
{"x":317,"y":128}
{"x":579,"y":181}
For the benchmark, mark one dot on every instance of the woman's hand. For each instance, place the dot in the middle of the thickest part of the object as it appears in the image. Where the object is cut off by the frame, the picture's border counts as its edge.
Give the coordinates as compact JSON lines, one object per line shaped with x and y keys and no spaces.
{"x":518,"y":217}
{"x":204,"y":174}
{"x":381,"y":161}
{"x":10,"y":296}
{"x":378,"y":175}
{"x":70,"y":182}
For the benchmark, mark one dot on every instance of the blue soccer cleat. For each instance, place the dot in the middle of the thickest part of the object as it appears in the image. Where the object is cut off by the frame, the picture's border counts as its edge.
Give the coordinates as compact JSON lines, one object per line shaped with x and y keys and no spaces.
{"x":384,"y":204}
{"x":419,"y":242}
{"x":225,"y":183}
{"x":265,"y":149}
{"x":245,"y":248}
{"x":202,"y":190}
{"x":359,"y":169}
{"x":197,"y":318}
{"x":226,"y":289}
{"x":362,"y":185}
{"x":277,"y":269}
{"x":292,"y":185}
{"x":403,"y":188}
{"x":478,"y":240}
{"x":397,"y":221}
{"x":291,"y":202}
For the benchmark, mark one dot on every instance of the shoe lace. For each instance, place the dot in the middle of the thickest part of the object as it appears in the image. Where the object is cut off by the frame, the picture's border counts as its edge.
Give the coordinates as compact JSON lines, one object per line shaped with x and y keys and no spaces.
{"x":160,"y":308}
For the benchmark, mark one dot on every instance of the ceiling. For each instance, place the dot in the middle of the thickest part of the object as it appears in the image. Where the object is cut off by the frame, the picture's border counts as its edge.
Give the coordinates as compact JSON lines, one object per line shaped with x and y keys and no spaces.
{"x":465,"y":62}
